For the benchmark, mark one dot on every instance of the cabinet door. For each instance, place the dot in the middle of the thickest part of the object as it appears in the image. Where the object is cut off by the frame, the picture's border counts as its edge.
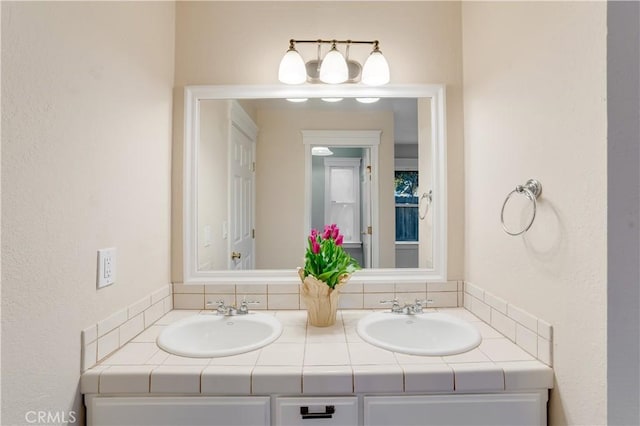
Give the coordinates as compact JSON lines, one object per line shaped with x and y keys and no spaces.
{"x":316,"y":411}
{"x":178,"y":411}
{"x":457,"y":410}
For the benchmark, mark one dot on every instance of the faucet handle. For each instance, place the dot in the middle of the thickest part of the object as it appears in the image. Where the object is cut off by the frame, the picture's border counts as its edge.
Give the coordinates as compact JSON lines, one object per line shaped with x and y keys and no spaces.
{"x":395,"y":305}
{"x":421,"y":303}
{"x":220,"y":307}
{"x":244,"y":305}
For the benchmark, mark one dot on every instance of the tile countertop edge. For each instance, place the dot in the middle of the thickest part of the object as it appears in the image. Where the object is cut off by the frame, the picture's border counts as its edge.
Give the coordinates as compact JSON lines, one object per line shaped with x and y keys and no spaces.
{"x":434,"y":375}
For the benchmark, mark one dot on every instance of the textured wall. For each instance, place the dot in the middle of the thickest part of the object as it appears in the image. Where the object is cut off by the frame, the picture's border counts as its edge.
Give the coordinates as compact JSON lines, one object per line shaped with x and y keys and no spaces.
{"x":86,"y":143}
{"x":535,"y":107}
{"x":243,"y":42}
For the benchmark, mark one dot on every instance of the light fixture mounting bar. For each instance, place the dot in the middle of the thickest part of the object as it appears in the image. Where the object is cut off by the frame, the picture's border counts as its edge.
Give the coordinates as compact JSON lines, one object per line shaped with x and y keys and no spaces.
{"x":319,"y":41}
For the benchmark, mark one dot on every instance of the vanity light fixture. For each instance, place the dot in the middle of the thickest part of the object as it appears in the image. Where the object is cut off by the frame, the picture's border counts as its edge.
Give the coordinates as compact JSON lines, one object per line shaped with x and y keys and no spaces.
{"x":367,"y":100}
{"x":334,"y":68}
{"x":332,"y":99}
{"x":297,"y":100}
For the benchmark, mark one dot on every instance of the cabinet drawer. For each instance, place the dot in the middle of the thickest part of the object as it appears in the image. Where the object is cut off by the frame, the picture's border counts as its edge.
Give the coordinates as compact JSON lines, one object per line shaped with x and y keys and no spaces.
{"x":456,"y":410}
{"x":341,"y":411}
{"x":177,"y":411}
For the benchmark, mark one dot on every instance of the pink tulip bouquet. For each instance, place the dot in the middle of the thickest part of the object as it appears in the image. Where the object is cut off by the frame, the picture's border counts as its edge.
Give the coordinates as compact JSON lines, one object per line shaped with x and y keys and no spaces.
{"x":326,"y":259}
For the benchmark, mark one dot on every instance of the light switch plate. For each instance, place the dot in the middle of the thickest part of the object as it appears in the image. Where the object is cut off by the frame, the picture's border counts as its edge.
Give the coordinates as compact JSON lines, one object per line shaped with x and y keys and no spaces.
{"x":106,"y":267}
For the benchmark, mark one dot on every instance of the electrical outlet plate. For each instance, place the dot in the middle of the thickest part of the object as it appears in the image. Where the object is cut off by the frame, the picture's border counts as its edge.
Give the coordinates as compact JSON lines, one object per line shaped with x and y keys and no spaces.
{"x":106,"y":267}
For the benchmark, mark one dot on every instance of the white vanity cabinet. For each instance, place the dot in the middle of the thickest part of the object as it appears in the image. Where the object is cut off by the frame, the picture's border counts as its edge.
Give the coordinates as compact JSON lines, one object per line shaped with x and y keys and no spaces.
{"x":177,"y":410}
{"x":294,"y":411}
{"x":482,"y":409}
{"x":503,"y":409}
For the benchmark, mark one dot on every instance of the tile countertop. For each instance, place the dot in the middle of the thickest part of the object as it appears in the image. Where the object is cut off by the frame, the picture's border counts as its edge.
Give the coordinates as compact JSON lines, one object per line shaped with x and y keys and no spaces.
{"x":307,"y":360}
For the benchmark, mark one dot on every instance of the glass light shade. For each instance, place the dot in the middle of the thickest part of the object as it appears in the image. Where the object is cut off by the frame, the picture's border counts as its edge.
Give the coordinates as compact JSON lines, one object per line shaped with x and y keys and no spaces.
{"x":367,"y":100}
{"x":297,"y":100}
{"x":322,"y":151}
{"x":332,"y":99}
{"x":334,"y":69}
{"x":292,"y":69}
{"x":376,"y":70}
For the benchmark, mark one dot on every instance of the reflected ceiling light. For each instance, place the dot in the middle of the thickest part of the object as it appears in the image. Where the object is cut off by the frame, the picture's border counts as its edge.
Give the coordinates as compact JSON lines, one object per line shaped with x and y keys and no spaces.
{"x":321,"y":151}
{"x":367,"y":100}
{"x":332,"y":99}
{"x":297,"y":100}
{"x":334,"y":68}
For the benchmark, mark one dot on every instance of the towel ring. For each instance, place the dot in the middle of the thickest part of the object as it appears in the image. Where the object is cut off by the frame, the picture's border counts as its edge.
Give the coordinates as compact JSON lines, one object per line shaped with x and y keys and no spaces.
{"x":429,"y":197}
{"x":532,"y":190}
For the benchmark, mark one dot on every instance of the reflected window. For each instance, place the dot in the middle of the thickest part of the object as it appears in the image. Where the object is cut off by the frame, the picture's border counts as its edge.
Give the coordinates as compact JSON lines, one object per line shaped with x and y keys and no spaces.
{"x":406,"y":196}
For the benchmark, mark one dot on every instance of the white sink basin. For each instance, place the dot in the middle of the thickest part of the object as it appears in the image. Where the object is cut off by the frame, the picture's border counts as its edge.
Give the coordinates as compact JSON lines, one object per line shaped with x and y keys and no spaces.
{"x":432,"y":333}
{"x":210,"y":336}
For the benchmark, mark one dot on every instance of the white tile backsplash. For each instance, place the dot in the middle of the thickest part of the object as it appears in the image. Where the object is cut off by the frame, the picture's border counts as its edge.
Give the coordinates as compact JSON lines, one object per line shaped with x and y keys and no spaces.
{"x":106,"y":336}
{"x":527,"y":339}
{"x":160,"y":294}
{"x":139,"y":307}
{"x":448,"y":286}
{"x":131,"y":328}
{"x":496,"y":303}
{"x":503,"y":324}
{"x":523,"y":317}
{"x":189,"y":300}
{"x":153,"y":313}
{"x":481,"y":310}
{"x":89,"y":334}
{"x":108,"y":343}
{"x":279,"y":301}
{"x":113,"y":321}
{"x":533,"y":335}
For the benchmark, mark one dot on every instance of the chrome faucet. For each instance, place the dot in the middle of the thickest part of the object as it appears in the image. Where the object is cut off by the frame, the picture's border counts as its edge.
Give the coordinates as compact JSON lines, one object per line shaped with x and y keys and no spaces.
{"x":408,"y":309}
{"x":230,"y":310}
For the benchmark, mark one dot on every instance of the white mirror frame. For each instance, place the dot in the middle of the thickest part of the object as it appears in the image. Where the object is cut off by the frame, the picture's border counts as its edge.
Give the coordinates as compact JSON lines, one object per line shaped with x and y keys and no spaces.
{"x":194,"y":94}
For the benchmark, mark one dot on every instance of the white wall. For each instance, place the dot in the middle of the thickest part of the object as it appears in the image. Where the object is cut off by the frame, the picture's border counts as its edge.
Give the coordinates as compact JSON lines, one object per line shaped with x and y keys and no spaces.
{"x":86,"y":120}
{"x":535,"y":107}
{"x":243,"y":42}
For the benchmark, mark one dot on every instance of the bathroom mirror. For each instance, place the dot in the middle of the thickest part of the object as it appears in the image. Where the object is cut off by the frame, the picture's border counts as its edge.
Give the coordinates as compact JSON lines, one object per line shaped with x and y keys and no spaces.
{"x":257,"y":178}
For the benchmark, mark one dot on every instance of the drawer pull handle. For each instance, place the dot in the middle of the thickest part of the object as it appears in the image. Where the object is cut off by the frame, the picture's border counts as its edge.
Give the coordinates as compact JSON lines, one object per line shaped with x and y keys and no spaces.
{"x":329,"y":411}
